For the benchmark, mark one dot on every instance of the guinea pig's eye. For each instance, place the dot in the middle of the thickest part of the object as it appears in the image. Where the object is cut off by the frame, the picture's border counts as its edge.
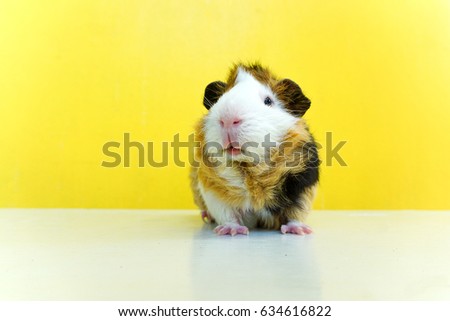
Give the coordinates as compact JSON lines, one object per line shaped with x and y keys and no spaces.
{"x":268,"y":101}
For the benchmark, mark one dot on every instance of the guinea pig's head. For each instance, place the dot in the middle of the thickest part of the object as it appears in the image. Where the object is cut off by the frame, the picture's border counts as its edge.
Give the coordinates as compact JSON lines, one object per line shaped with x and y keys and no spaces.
{"x":252,"y":109}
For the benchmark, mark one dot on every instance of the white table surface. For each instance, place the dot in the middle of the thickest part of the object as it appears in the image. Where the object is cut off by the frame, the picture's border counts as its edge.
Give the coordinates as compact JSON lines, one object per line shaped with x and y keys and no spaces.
{"x":172,"y":255}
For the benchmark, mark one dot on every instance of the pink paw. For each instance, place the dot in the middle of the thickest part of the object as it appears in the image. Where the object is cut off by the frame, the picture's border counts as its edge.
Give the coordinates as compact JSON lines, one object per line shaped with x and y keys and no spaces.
{"x":296,"y":228}
{"x":206,"y":217}
{"x":231,"y":229}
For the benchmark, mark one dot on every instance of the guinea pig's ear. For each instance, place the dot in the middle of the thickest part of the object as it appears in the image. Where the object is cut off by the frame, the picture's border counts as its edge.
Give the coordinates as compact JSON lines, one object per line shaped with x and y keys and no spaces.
{"x":213,"y":92}
{"x":292,"y":96}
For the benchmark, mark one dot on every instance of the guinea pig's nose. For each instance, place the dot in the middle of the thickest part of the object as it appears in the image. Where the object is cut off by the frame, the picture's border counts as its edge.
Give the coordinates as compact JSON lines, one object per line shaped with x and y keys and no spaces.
{"x":230,"y":122}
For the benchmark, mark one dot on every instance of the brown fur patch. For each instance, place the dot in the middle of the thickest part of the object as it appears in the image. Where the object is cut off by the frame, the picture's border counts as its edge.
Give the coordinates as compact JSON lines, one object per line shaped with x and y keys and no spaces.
{"x":260,"y":73}
{"x":292,"y":97}
{"x":264,"y":179}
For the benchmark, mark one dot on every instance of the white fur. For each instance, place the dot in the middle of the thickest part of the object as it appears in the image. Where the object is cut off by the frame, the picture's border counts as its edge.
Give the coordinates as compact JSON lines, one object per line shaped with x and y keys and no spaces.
{"x":233,"y":177}
{"x":220,"y":211}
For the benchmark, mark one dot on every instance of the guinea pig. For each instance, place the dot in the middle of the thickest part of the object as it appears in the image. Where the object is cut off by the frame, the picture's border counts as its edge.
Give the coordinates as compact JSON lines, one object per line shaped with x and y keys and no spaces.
{"x":256,"y":163}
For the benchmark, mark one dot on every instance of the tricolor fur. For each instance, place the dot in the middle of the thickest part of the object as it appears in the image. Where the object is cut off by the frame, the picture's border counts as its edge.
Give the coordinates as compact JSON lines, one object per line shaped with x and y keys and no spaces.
{"x":252,"y":187}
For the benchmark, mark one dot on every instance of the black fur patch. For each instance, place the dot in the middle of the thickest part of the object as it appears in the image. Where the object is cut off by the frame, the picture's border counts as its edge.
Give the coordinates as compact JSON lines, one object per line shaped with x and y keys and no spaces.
{"x":213,"y":92}
{"x":294,"y":184}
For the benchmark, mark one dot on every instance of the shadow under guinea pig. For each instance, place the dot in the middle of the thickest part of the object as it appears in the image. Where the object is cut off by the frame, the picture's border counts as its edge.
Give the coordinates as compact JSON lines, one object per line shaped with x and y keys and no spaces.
{"x":266,"y":265}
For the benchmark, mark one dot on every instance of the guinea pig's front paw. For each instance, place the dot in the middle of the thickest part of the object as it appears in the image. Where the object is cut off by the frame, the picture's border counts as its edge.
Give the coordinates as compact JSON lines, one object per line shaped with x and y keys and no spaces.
{"x":207,"y":218}
{"x":296,"y":228}
{"x":231,"y":229}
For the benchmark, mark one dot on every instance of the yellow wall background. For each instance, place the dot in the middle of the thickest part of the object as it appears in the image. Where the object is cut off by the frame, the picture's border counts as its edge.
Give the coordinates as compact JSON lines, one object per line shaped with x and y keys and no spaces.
{"x":76,"y":74}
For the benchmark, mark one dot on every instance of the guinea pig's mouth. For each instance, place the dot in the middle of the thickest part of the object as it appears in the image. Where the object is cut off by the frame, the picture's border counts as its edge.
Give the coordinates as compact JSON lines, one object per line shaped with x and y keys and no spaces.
{"x":233,"y":149}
